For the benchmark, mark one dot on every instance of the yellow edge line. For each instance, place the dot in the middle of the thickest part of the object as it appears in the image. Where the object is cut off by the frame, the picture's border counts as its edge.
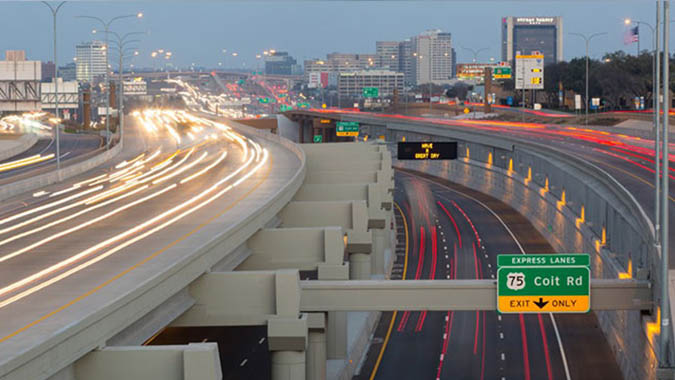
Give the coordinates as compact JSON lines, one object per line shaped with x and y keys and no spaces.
{"x":126,"y":271}
{"x":393,"y":316}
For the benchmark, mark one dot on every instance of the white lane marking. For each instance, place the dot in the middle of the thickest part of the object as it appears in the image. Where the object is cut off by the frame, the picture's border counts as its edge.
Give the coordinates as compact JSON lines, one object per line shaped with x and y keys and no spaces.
{"x":243,"y":363}
{"x":499,"y":317}
{"x":503,"y":356}
{"x":555,"y":326}
{"x":501,"y":335}
{"x":261,"y":340}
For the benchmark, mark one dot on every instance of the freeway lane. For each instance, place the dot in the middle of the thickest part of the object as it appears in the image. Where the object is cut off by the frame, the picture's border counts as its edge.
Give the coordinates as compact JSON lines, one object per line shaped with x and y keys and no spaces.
{"x":72,"y":146}
{"x":135,"y":235}
{"x":476,"y":345}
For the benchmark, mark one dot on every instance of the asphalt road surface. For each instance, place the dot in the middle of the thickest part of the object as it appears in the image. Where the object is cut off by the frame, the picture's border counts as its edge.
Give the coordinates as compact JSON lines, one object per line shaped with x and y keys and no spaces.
{"x":452,"y":236}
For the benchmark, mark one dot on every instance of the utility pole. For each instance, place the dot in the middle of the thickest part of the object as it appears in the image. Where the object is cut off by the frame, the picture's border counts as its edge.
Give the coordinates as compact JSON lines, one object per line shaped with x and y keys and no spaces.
{"x":55,"y":11}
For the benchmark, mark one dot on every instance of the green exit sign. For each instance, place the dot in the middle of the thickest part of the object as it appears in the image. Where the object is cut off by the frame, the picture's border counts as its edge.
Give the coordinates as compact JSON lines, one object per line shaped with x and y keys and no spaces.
{"x":371,"y":92}
{"x":284,"y":108}
{"x":303,"y":105}
{"x":347,"y":128}
{"x":501,"y":73}
{"x":554,"y":283}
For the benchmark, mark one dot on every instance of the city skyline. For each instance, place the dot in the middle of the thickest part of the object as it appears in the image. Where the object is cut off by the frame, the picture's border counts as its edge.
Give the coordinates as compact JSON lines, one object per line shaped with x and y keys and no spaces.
{"x":359,"y":26}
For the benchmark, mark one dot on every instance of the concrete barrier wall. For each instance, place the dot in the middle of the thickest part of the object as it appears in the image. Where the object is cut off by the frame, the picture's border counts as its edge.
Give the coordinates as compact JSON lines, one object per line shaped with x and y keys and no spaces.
{"x":23,"y":144}
{"x":519,"y":176}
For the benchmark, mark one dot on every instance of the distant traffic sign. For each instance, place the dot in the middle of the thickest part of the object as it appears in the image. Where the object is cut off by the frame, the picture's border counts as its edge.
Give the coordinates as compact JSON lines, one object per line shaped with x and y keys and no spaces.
{"x":371,"y":92}
{"x":446,"y":150}
{"x":318,"y":138}
{"x":501,"y":72}
{"x":284,"y":108}
{"x":530,"y":71}
{"x":303,"y":105}
{"x":347,"y":128}
{"x":558,"y":283}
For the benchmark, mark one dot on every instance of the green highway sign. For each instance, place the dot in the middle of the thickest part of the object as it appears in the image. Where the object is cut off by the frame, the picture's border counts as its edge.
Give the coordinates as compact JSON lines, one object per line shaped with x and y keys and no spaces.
{"x":501,"y":73}
{"x":347,"y":128}
{"x":318,"y":138}
{"x":566,"y":259}
{"x":240,"y":82}
{"x":284,"y":108}
{"x":371,"y":92}
{"x":264,"y":100}
{"x":543,"y":289}
{"x":303,"y":105}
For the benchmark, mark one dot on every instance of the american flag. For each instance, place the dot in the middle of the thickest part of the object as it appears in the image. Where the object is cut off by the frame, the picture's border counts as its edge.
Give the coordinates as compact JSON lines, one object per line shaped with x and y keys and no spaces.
{"x":632,"y":35}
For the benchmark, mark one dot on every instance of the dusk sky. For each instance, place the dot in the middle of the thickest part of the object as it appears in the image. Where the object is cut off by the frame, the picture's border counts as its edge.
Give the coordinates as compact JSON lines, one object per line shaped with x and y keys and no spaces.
{"x":197,"y":32}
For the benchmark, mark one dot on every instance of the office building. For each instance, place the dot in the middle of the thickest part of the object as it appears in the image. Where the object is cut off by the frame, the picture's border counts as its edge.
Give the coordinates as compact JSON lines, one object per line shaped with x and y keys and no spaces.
{"x":48,"y":70}
{"x":279,"y":63}
{"x":528,"y":34}
{"x":68,"y":72}
{"x":340,"y":62}
{"x":432,"y":57}
{"x":351,"y":84}
{"x":387,"y":53}
{"x":90,"y":61}
{"x":405,"y":52}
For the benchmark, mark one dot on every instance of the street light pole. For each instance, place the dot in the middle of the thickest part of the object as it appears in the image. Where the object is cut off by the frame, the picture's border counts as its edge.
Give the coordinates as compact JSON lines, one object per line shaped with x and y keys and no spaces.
{"x":121,"y":42}
{"x":106,"y":27}
{"x":665,"y":302}
{"x":475,"y":52}
{"x":587,"y":39}
{"x":56,"y":85}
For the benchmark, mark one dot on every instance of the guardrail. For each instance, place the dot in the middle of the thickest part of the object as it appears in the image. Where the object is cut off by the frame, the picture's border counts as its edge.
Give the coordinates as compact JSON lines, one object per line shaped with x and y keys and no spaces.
{"x":79,"y":337}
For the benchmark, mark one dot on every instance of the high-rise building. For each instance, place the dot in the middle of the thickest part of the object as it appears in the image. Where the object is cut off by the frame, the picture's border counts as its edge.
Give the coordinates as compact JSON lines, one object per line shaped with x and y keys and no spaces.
{"x":405,"y":53}
{"x":48,"y":70}
{"x":387,"y":53}
{"x":68,"y":72}
{"x":528,"y":34}
{"x":90,"y":60}
{"x":433,"y":57}
{"x":279,"y":63}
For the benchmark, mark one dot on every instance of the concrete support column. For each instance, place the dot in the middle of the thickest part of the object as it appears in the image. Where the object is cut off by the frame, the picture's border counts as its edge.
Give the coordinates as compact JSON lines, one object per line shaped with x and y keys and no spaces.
{"x":359,"y":266}
{"x":288,"y":365}
{"x":380,"y":238}
{"x":316,"y":347}
{"x":336,"y":335}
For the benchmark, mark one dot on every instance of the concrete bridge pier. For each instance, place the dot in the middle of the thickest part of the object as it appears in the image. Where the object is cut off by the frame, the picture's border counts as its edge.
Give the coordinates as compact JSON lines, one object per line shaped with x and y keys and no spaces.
{"x":288,"y":365}
{"x":316,"y":347}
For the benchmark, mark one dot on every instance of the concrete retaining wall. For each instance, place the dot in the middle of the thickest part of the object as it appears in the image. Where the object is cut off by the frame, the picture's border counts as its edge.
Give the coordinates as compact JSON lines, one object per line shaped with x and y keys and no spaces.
{"x":23,"y":144}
